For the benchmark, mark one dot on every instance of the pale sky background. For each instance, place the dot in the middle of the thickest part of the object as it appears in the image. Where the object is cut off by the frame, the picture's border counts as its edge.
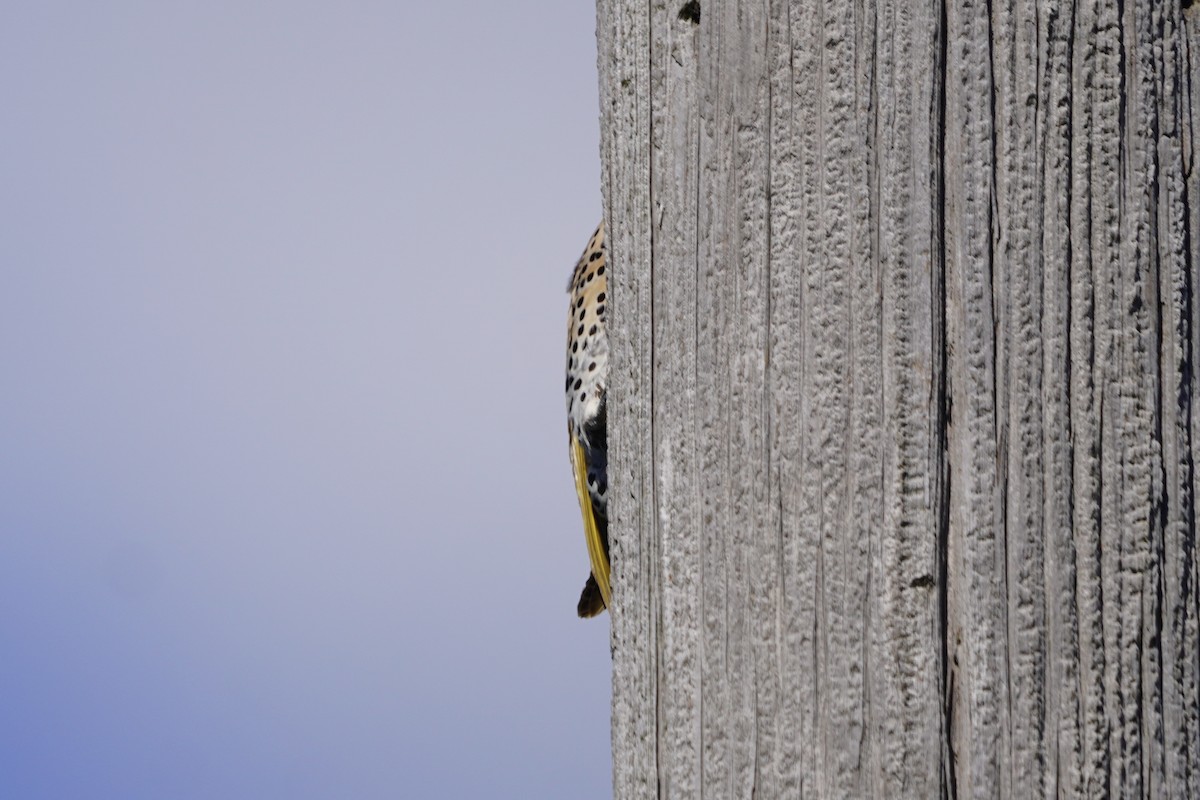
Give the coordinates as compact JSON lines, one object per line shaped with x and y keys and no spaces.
{"x":285,"y":506}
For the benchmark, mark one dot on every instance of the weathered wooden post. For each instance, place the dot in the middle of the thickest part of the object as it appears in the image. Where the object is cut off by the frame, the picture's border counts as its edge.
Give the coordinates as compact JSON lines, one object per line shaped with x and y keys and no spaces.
{"x":903,"y":418}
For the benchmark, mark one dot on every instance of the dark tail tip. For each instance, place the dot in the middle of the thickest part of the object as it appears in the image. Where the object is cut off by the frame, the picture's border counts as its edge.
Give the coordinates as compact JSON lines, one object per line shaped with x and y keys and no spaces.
{"x":591,"y":602}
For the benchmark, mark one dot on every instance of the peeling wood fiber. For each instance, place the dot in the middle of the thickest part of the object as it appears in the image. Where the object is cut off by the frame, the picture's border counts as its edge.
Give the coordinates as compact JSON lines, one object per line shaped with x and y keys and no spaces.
{"x":903,"y":436}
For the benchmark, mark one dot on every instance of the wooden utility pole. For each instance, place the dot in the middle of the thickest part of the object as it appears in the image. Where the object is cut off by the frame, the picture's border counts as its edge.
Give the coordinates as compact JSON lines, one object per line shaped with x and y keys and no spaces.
{"x":903,"y":419}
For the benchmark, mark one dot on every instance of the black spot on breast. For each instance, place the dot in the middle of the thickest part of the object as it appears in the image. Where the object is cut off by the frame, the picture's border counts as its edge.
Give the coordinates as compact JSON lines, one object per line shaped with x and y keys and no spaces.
{"x":600,"y":310}
{"x":578,"y":383}
{"x":600,"y":297}
{"x":594,"y":256}
{"x":582,"y":311}
{"x":592,"y":366}
{"x":593,"y":330}
{"x":580,"y":331}
{"x":598,"y":272}
{"x":592,"y":275}
{"x":575,"y":346}
{"x":582,"y":396}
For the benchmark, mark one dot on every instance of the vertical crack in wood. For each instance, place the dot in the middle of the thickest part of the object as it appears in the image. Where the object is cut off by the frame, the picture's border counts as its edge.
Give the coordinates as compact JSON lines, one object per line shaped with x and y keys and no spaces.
{"x":943,"y":409}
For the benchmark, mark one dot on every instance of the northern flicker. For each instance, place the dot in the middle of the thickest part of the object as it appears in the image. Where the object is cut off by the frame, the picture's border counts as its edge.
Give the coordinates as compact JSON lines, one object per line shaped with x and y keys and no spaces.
{"x":587,"y":376}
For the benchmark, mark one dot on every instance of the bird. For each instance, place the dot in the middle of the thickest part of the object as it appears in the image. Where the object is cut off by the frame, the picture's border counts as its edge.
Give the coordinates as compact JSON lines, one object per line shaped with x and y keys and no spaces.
{"x":587,"y":379}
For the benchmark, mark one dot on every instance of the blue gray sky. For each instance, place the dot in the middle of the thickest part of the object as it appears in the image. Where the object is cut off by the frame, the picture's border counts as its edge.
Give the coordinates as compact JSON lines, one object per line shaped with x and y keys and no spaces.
{"x":285,"y":506}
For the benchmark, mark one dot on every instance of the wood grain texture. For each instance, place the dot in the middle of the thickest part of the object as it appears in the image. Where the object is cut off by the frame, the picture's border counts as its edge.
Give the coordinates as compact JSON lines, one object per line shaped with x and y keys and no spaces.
{"x":902,"y":429}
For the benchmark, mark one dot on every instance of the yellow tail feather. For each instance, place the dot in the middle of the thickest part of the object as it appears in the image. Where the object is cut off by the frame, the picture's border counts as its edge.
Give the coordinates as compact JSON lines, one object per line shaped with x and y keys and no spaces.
{"x":591,"y":532}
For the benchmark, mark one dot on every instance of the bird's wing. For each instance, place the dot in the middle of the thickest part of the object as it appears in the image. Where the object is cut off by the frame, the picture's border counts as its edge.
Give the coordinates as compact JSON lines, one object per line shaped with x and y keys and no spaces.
{"x":591,"y":532}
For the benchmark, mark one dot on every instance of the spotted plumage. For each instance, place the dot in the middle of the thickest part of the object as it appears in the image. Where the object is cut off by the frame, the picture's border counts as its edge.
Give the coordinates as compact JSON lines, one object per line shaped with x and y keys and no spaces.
{"x":586,"y":378}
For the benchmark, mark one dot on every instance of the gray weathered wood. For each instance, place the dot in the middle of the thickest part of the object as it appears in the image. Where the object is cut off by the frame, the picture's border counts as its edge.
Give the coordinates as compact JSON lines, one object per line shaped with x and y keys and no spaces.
{"x":902,"y":425}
